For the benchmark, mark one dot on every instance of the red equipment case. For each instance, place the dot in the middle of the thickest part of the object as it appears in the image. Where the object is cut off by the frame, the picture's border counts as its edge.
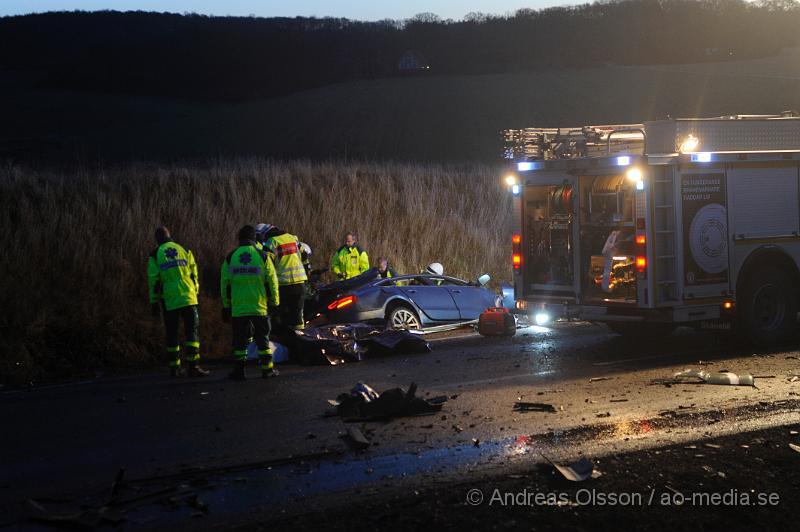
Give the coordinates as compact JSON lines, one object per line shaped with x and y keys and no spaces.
{"x":497,"y":321}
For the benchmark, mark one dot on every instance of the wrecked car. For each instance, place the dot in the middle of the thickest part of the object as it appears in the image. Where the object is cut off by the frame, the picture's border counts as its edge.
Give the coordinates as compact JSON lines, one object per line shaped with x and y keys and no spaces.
{"x":412,"y":301}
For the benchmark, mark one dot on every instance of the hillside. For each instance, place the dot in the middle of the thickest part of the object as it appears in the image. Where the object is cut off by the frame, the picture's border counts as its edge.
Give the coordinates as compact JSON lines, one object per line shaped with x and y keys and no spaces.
{"x":438,"y":118}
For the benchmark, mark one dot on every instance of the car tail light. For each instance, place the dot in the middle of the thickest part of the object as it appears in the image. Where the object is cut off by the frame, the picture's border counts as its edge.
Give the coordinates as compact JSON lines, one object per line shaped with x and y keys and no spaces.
{"x":342,"y":302}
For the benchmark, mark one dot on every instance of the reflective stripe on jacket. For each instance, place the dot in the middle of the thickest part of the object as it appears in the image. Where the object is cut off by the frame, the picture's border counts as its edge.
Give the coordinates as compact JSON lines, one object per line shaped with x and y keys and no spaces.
{"x":172,"y":276}
{"x":248,"y":282}
{"x":285,"y":252}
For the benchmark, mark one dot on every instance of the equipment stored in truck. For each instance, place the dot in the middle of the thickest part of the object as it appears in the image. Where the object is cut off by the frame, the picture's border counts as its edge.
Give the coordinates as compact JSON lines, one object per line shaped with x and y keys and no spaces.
{"x":649,"y":226}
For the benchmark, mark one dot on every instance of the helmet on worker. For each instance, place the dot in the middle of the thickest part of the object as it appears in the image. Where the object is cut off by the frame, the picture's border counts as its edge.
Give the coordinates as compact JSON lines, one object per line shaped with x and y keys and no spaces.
{"x":261,"y":231}
{"x":435,"y":268}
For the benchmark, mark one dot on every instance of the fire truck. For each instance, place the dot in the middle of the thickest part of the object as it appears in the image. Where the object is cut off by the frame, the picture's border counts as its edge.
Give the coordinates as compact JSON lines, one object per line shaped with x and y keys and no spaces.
{"x":649,"y":226}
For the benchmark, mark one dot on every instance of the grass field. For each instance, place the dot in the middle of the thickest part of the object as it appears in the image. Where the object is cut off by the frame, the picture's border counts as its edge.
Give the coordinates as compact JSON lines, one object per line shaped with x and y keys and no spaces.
{"x":436,"y":118}
{"x":74,"y":290}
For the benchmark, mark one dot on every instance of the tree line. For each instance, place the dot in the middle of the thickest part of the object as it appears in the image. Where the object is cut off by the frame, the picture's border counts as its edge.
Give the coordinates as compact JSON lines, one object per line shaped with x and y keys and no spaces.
{"x":229,"y":58}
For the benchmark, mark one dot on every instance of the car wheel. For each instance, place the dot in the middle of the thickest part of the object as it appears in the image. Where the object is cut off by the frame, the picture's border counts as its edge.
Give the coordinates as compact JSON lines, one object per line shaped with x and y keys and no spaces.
{"x":402,"y":317}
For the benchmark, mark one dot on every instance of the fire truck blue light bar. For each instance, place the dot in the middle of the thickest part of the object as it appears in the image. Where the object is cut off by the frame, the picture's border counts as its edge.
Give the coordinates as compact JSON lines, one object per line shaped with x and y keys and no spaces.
{"x":701,"y":157}
{"x":528,"y":166}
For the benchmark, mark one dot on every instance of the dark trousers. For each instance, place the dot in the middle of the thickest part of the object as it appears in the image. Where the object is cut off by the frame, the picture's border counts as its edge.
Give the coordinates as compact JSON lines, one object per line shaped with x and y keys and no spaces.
{"x":191,"y":326}
{"x":249,"y":328}
{"x":290,"y":311}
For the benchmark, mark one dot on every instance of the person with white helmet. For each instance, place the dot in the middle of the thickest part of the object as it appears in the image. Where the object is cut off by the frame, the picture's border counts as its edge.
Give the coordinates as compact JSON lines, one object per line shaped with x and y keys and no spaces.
{"x":286,"y":253}
{"x":435,"y":268}
{"x":305,"y":256}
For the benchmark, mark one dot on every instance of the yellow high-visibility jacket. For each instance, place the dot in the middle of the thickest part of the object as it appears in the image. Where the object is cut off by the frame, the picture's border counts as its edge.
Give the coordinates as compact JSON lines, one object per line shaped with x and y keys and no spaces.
{"x":172,"y":276}
{"x":349,"y":262}
{"x":248,"y":283}
{"x":285,"y":252}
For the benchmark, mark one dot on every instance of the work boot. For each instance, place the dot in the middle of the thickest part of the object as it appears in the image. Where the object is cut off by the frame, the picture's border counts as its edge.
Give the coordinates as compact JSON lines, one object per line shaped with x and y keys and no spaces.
{"x":193,"y":370}
{"x":269,"y":373}
{"x":237,"y":374}
{"x":176,"y":371}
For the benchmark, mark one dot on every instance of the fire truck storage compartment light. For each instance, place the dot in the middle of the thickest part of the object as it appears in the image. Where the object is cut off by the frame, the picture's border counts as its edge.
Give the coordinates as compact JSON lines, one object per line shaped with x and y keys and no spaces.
{"x":701,"y":157}
{"x":623,"y":160}
{"x":690,"y":144}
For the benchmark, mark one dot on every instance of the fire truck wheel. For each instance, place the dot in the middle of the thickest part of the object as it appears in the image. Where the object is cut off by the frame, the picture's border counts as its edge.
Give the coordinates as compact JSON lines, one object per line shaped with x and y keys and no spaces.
{"x":767,"y":307}
{"x":641,"y":330}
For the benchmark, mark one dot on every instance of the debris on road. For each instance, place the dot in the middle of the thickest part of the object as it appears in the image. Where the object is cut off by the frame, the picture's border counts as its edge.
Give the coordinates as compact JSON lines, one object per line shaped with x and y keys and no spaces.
{"x":533,"y":407}
{"x":337,"y":344}
{"x":794,"y":447}
{"x":577,"y":472}
{"x":365,"y":404}
{"x":697,"y":376}
{"x":598,"y":379}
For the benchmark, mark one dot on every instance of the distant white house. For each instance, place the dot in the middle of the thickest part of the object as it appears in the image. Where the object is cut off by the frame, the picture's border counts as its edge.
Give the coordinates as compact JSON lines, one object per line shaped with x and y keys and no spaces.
{"x":412,"y":61}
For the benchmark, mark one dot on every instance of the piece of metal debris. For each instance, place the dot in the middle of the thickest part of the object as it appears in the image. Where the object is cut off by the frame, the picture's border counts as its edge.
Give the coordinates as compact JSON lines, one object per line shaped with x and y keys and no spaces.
{"x":577,"y":472}
{"x":598,"y":379}
{"x":723,"y":377}
{"x":533,"y":407}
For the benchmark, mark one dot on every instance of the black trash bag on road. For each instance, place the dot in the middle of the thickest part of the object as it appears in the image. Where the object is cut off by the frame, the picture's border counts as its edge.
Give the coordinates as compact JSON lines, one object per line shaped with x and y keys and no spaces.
{"x":395,"y":402}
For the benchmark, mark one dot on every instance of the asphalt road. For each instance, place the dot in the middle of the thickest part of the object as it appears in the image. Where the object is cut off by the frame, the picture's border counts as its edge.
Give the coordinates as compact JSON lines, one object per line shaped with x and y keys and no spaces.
{"x":66,"y":443}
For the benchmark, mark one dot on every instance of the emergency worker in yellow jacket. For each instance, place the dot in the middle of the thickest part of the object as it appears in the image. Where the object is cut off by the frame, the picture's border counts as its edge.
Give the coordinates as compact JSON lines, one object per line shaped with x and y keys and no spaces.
{"x":173,"y":286}
{"x":286,"y":254}
{"x":349,"y":260}
{"x":249,"y":289}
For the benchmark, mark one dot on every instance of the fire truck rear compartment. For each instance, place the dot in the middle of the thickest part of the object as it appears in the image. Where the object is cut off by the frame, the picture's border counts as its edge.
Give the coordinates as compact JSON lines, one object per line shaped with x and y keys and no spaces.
{"x":607,"y":250}
{"x":603,"y":206}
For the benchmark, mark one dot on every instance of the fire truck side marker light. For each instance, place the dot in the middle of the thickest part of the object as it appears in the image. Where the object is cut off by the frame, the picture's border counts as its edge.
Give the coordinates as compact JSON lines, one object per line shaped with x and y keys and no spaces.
{"x":641,"y":240}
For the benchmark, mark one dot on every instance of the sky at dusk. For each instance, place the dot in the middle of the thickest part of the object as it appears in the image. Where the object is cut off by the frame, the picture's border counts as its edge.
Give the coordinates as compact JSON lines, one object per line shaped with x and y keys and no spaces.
{"x":353,"y":9}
